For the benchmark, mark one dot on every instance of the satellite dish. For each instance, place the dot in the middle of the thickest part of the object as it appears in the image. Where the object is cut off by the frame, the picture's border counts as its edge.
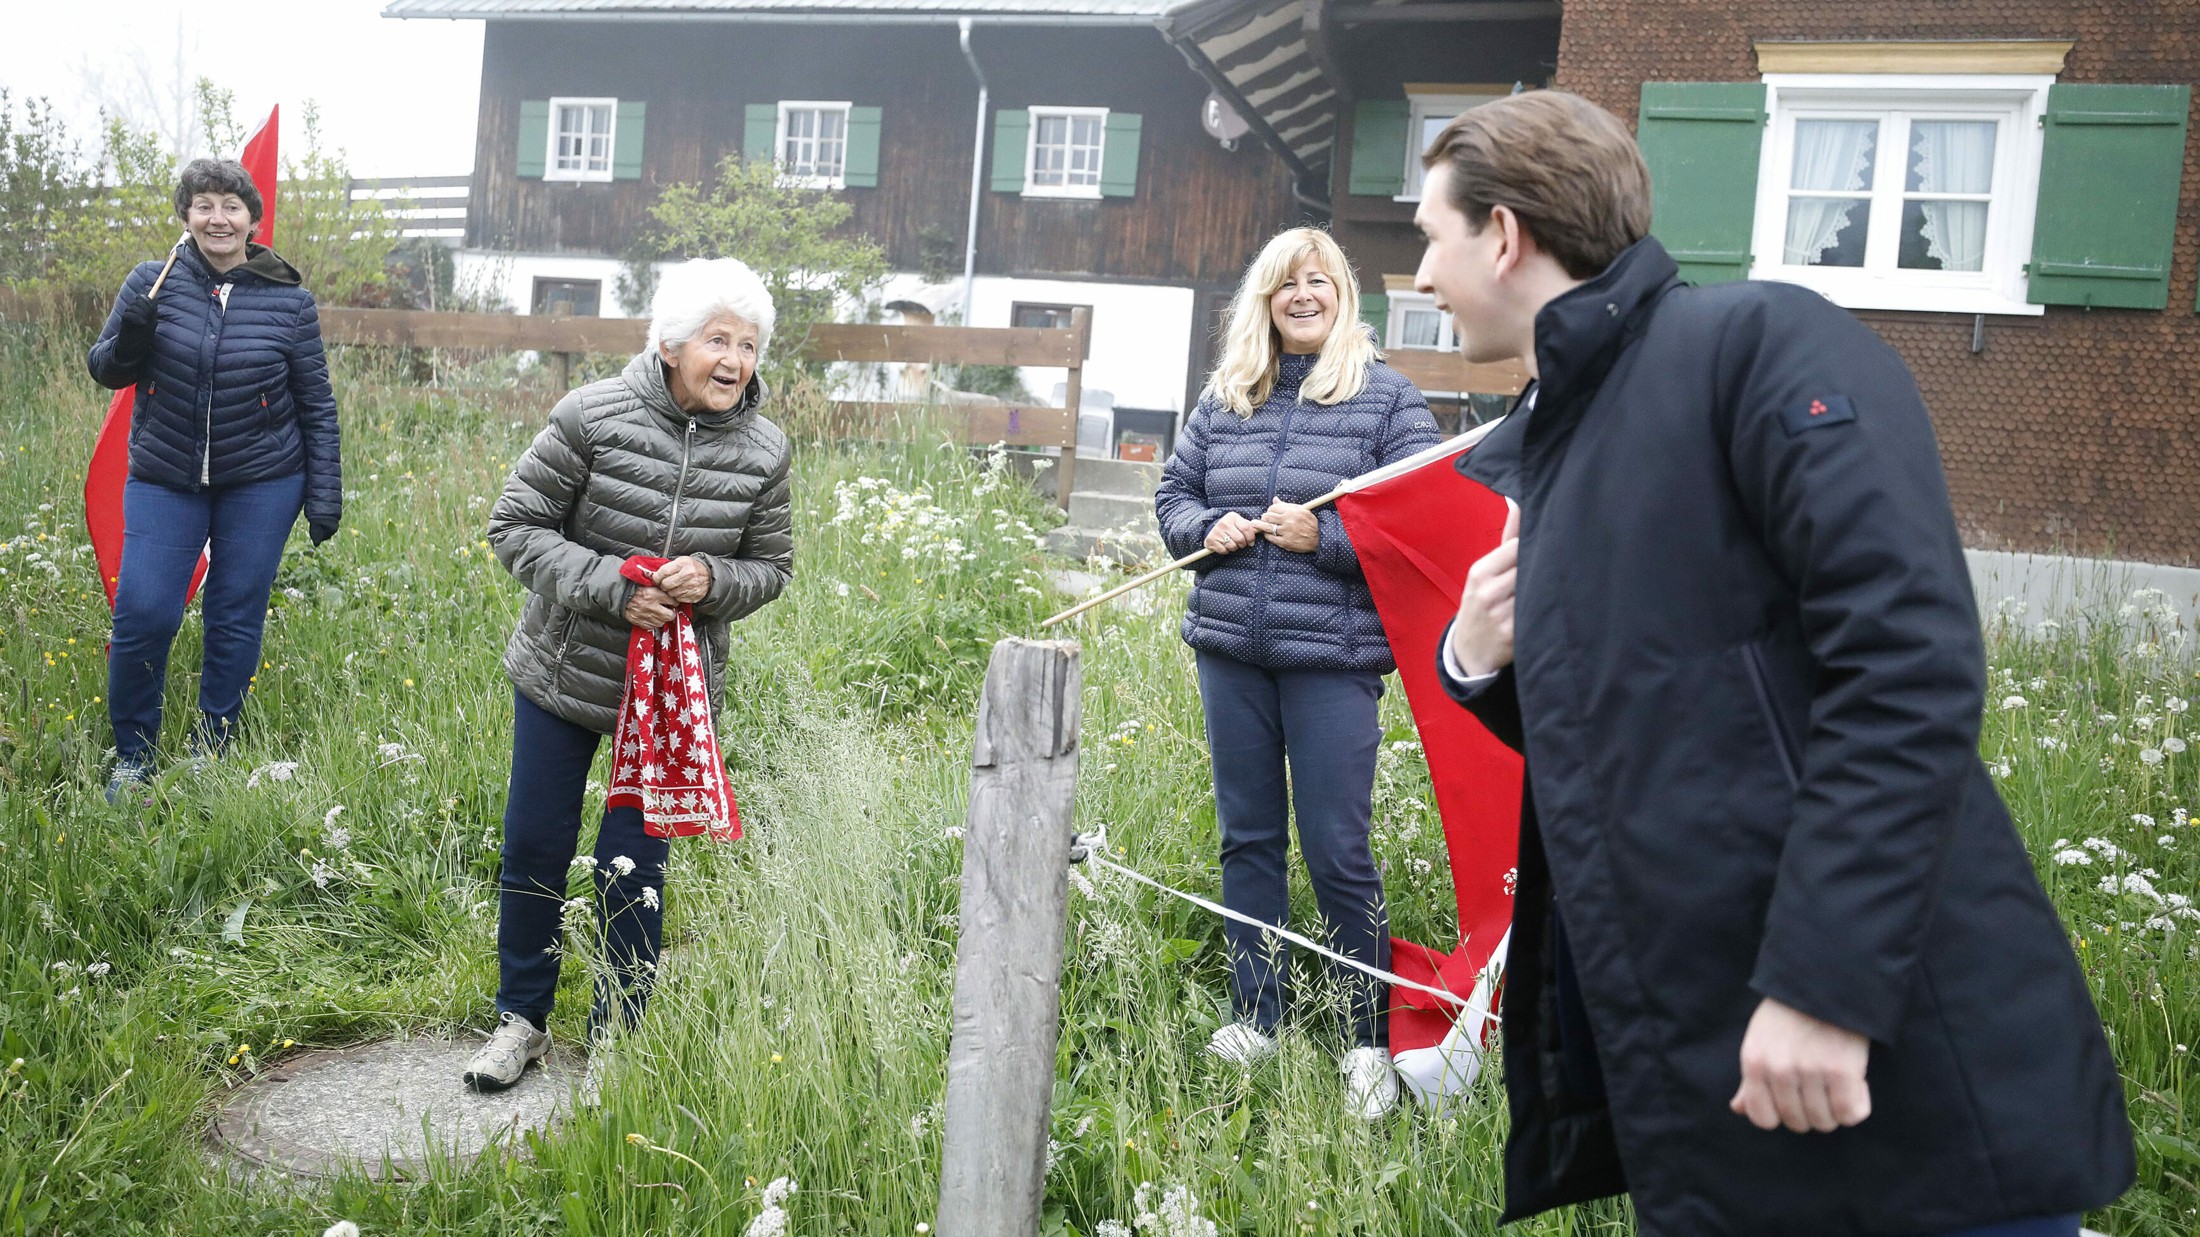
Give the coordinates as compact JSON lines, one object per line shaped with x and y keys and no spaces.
{"x":1222,"y":121}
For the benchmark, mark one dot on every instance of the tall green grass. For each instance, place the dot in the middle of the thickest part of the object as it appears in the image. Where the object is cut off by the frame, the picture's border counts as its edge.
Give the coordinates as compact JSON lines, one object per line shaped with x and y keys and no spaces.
{"x":154,"y":958}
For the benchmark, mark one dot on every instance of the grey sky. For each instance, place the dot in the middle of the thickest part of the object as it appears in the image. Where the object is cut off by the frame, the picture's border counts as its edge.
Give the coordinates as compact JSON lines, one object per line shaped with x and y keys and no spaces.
{"x":398,"y":96}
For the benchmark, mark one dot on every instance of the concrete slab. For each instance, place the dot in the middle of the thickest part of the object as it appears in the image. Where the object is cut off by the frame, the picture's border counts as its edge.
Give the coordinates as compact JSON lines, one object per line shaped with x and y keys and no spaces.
{"x":387,"y":1108}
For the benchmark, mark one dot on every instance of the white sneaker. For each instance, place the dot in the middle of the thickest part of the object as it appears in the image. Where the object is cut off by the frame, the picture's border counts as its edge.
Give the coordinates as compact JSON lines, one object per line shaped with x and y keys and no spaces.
{"x":512,"y":1047}
{"x":1370,"y":1084}
{"x":1241,"y":1044}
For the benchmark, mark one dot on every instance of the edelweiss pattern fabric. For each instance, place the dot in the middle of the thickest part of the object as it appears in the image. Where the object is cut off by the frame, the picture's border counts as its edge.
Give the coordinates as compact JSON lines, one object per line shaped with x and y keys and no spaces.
{"x":620,"y":470}
{"x":1267,"y":605}
{"x":236,"y":391}
{"x":664,"y":756}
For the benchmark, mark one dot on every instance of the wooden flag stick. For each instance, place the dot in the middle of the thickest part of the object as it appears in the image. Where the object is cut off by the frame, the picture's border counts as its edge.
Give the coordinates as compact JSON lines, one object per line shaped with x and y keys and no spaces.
{"x":1361,"y":482}
{"x":162,"y":278}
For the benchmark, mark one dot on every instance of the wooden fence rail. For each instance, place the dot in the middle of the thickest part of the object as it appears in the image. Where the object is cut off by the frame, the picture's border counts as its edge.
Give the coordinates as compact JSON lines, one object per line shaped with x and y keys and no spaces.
{"x":563,"y":338}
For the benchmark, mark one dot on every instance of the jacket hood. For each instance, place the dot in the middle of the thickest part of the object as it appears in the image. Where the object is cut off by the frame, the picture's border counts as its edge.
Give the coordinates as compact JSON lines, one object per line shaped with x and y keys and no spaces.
{"x":648,"y":378}
{"x":259,"y":260}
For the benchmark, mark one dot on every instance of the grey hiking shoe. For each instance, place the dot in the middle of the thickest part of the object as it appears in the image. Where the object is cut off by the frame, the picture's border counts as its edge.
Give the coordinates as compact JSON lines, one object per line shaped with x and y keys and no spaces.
{"x":511,"y":1048}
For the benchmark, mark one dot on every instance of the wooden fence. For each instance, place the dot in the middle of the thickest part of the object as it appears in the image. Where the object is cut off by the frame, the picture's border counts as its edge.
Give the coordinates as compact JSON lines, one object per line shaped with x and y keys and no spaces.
{"x":428,"y":206}
{"x":561,"y":339}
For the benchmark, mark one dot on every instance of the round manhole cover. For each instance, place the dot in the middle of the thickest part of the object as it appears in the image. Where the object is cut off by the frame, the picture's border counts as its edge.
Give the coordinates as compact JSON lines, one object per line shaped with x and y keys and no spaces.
{"x":386,"y":1108}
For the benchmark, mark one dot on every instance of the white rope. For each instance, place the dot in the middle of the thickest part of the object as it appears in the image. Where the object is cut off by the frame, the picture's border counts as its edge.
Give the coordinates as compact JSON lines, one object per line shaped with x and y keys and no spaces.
{"x":1093,"y":854}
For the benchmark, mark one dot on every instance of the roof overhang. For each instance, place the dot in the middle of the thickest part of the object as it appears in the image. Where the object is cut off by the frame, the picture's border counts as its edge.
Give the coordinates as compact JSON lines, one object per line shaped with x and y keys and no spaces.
{"x":1119,"y":13}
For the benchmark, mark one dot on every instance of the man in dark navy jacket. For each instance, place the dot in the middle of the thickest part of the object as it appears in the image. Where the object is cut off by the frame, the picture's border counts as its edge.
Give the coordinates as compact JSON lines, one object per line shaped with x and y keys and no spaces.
{"x":1780,"y":963}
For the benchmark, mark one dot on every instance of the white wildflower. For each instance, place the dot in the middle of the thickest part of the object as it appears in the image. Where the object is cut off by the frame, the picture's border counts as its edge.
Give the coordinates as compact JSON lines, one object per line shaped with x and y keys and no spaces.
{"x":2173,"y":745}
{"x":280,"y":771}
{"x":650,"y":898}
{"x":2014,"y":702}
{"x":841,"y":589}
{"x":2102,"y":847}
{"x":2072,"y":856}
{"x":63,"y":968}
{"x":953,"y":833}
{"x":2002,"y":769}
{"x":583,"y":863}
{"x":2150,"y":756}
{"x":2049,"y":743}
{"x":1111,"y":1228}
{"x":2179,"y":817}
{"x":1177,"y":1216}
{"x":342,"y":1228}
{"x":2142,"y":820}
{"x":98,"y":970}
{"x":2165,"y":840}
{"x":2176,"y":704}
{"x":391,"y":752}
{"x":622,"y":866}
{"x":323,"y":874}
{"x":779,"y":1191}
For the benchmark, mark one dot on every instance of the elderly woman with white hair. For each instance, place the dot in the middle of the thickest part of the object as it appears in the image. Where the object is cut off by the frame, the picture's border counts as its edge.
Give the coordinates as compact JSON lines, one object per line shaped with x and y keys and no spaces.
{"x":671,"y":459}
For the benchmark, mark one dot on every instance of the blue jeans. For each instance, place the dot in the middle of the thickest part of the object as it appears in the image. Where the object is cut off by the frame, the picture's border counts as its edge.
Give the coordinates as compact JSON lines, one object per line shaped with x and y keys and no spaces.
{"x":542,"y":828}
{"x":163,"y":531}
{"x":1323,"y":724}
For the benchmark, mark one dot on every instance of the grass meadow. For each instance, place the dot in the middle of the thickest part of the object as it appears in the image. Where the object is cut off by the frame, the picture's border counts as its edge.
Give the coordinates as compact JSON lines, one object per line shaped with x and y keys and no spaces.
{"x":333,"y":878}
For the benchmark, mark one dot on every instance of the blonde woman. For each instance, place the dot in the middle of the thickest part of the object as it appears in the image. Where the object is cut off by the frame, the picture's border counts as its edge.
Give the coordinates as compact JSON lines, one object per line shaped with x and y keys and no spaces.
{"x":1291,"y":654}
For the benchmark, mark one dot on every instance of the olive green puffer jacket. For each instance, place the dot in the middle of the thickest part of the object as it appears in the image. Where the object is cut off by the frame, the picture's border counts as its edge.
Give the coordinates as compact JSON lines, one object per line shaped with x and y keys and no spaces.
{"x":620,"y":470}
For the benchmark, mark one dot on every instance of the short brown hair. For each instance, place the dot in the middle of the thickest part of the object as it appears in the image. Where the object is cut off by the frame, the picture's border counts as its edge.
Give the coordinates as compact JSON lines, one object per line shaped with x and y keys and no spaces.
{"x":1566,"y":167}
{"x":217,"y":176}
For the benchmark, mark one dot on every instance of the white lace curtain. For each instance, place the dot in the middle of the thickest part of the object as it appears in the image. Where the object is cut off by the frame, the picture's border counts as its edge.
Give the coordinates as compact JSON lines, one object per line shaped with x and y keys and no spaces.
{"x":1830,"y":156}
{"x":1954,"y":156}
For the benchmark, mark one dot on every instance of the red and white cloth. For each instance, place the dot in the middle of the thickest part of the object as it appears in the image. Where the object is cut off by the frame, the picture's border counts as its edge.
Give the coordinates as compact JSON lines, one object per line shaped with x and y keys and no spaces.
{"x":664,"y":753}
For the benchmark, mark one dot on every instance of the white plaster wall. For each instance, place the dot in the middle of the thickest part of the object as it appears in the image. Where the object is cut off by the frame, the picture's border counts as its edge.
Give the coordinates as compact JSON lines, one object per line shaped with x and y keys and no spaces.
{"x":1141,"y":333}
{"x":2031,"y":587}
{"x":513,"y":275}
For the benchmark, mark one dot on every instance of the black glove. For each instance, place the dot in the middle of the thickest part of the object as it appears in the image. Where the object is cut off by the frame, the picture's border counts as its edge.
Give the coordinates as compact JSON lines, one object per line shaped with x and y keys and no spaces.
{"x":133,"y":345}
{"x":321,"y":530}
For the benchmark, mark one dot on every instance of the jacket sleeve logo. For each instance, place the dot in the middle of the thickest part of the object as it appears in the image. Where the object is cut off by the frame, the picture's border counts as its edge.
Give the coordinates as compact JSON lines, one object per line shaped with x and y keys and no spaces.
{"x":1825,"y":410}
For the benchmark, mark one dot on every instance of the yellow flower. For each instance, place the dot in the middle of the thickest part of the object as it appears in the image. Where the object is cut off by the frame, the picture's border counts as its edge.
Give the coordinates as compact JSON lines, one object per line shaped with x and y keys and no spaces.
{"x":636,"y":1140}
{"x":776,"y":1058}
{"x":408,"y":682}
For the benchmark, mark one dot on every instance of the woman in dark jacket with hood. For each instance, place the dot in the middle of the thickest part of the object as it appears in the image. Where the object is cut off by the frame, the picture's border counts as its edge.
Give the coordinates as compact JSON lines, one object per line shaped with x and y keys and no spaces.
{"x":1291,"y":654}
{"x":233,"y":433}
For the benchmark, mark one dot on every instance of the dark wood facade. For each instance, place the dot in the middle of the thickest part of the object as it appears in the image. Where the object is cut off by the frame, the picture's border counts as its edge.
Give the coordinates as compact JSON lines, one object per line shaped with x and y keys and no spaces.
{"x":1380,"y":60}
{"x":1198,"y":214}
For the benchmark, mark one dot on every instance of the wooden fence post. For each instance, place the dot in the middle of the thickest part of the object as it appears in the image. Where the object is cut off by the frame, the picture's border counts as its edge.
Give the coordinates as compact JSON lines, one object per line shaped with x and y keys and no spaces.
{"x":1008,"y":964}
{"x":1073,"y":397}
{"x":561,"y":371}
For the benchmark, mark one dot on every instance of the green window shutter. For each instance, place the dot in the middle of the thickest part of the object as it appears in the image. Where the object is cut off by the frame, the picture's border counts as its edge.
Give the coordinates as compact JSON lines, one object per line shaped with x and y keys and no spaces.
{"x":760,"y":132}
{"x":1379,"y":147}
{"x":860,"y":171}
{"x":626,"y":140}
{"x":1119,"y":155}
{"x":1011,"y":134}
{"x":2109,"y":169}
{"x":1375,"y":311}
{"x":534,"y":137}
{"x":1703,"y":141}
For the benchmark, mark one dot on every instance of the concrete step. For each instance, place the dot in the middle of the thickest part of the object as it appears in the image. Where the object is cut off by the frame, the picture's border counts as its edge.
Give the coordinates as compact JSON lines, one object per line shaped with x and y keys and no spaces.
{"x":1130,"y":547}
{"x":1099,"y":510}
{"x":1131,"y":477}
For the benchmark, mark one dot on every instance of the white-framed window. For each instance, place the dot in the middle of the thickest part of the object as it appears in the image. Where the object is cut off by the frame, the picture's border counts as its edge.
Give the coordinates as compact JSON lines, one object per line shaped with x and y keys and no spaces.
{"x":581,"y":132}
{"x":1426,"y":117}
{"x":1901,"y":191}
{"x":1415,"y":322}
{"x":1063,"y":160}
{"x":813,"y":143}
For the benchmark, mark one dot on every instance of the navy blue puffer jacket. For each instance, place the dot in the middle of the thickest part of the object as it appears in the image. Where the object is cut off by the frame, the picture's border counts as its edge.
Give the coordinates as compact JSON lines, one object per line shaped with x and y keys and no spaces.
{"x":1267,"y":605}
{"x":236,"y":390}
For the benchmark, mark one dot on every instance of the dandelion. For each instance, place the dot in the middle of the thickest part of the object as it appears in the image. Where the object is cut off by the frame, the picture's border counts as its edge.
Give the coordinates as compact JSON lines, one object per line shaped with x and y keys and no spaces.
{"x":2173,"y":745}
{"x":342,"y":1228}
{"x":2150,"y":756}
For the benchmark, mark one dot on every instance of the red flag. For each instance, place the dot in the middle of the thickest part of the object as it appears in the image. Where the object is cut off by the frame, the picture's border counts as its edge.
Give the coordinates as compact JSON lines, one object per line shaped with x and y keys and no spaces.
{"x":1416,"y":534}
{"x":110,"y":466}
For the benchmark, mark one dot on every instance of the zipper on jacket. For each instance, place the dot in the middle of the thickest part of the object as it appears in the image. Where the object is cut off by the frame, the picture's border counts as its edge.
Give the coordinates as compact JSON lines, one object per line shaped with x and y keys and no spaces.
{"x":1760,"y":683}
{"x":679,"y":489}
{"x":1261,"y":546}
{"x":220,"y":296}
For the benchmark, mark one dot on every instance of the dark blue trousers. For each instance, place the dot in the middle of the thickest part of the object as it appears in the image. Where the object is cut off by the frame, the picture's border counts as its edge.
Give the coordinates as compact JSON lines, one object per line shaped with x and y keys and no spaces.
{"x":1321,"y":727}
{"x":542,"y":828}
{"x":163,"y":531}
{"x":2049,"y":1226}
